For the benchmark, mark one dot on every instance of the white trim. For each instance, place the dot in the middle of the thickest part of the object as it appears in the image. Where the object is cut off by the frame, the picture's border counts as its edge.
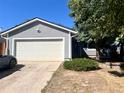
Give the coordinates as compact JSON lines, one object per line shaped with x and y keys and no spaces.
{"x":28,"y":38}
{"x":70,"y":54}
{"x":91,"y":49}
{"x":70,"y":46}
{"x":7,"y":44}
{"x":63,"y":40}
{"x":37,"y":19}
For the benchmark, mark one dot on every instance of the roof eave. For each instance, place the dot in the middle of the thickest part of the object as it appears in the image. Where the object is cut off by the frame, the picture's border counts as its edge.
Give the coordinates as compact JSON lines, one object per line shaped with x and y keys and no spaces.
{"x":43,"y":21}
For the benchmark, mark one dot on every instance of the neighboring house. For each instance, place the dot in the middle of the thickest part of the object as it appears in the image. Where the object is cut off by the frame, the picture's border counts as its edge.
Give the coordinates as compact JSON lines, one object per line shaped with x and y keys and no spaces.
{"x":39,"y":40}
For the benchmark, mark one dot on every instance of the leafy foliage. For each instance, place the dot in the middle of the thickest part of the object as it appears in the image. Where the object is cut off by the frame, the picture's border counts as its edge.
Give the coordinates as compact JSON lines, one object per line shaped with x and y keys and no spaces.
{"x":120,"y":38}
{"x":81,"y":64}
{"x":98,"y":20}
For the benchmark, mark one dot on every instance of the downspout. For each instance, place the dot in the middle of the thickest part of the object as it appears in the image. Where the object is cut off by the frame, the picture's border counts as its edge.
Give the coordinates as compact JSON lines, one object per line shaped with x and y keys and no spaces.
{"x":7,"y":47}
{"x":70,"y":46}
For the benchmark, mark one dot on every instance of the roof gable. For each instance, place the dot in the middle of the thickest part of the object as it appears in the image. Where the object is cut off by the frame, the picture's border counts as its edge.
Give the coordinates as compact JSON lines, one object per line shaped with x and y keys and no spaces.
{"x":40,"y":20}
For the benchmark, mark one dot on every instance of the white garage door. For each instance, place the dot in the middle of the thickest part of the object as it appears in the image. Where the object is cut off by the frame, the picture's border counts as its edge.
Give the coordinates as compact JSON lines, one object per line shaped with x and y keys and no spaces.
{"x":39,"y":50}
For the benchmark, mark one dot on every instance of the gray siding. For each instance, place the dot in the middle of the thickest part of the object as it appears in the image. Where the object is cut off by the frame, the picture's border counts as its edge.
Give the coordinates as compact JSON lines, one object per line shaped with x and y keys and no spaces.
{"x":30,"y":31}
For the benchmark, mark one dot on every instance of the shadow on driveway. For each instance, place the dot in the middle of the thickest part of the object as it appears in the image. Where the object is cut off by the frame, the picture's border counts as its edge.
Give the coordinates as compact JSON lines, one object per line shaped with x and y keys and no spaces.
{"x":6,"y":72}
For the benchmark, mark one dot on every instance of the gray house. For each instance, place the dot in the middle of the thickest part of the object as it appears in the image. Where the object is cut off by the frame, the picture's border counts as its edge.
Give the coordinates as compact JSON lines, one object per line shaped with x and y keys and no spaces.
{"x":39,"y":40}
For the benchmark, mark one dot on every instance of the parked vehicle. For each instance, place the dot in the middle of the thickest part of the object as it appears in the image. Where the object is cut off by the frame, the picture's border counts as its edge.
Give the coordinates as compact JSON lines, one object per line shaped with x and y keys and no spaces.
{"x":6,"y":60}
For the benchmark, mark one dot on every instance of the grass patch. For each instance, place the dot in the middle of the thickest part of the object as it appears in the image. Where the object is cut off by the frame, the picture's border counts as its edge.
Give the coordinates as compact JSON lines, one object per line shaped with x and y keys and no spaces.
{"x":81,"y":64}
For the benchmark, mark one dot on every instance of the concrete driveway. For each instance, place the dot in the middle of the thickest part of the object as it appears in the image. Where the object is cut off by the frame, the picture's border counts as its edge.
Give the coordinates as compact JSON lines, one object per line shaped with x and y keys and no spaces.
{"x":27,"y":78}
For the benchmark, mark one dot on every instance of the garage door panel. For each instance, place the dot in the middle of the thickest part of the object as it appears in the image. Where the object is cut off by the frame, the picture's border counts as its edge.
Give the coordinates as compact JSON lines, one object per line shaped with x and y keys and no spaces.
{"x":39,"y":50}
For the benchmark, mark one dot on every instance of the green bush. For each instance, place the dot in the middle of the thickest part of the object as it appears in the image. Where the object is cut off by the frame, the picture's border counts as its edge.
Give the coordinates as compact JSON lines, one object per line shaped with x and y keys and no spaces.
{"x":82,"y":64}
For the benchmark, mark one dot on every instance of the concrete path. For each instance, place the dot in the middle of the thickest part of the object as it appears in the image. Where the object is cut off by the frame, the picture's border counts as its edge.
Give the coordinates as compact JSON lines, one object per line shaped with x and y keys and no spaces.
{"x":27,"y":78}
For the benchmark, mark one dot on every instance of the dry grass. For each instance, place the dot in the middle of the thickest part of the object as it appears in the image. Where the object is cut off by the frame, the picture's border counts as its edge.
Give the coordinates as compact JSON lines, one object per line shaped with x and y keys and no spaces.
{"x":99,"y":81}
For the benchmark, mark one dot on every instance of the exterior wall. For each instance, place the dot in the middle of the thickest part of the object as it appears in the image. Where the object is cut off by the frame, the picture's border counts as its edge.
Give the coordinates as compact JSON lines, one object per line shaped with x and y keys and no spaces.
{"x":38,"y":29}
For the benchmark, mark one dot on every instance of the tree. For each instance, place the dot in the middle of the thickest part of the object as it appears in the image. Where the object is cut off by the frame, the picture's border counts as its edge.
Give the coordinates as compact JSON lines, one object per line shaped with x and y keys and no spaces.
{"x":120,"y":41}
{"x":97,"y":20}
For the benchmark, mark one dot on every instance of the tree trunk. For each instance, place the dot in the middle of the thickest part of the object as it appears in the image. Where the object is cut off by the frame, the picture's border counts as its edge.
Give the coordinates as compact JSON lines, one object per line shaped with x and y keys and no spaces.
{"x":97,"y":53}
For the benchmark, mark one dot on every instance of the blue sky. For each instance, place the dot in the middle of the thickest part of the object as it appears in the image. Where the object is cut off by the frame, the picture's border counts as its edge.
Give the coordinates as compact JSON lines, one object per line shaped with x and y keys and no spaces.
{"x":13,"y":12}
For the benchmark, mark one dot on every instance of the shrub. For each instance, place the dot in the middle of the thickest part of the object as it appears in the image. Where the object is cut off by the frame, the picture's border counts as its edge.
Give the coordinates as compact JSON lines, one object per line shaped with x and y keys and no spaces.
{"x":83,"y":64}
